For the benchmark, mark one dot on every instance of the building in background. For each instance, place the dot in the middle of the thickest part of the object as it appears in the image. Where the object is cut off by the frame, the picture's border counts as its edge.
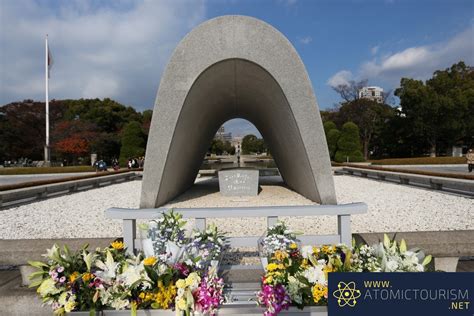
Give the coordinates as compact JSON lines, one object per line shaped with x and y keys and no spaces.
{"x":222,"y":135}
{"x":372,"y":93}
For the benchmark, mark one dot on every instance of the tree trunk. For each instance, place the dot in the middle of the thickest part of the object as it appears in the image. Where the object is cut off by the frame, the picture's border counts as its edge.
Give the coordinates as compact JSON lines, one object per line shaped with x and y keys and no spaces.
{"x":433,"y":150}
{"x":366,"y":149}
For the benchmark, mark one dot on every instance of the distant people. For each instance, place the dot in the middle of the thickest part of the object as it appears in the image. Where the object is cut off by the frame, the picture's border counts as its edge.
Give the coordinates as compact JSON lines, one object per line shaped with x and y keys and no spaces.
{"x":129,"y":163}
{"x":470,"y":160}
{"x":115,"y":164}
{"x":100,"y":166}
{"x":134,"y":163}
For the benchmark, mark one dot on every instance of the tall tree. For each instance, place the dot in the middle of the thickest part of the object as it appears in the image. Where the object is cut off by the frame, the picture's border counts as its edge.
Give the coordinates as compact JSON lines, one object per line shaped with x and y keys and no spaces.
{"x":252,"y":144}
{"x":332,"y":137}
{"x":440,"y":110}
{"x":348,"y":145}
{"x":73,"y":139}
{"x":369,"y":116}
{"x":133,"y":142}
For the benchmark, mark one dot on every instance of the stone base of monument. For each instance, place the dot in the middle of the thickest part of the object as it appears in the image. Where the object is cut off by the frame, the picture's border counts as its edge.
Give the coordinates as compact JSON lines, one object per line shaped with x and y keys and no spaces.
{"x":238,"y":182}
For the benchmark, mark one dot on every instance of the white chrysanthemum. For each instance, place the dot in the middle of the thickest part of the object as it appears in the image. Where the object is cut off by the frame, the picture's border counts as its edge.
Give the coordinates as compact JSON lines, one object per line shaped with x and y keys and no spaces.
{"x":119,"y":304}
{"x":391,"y":266}
{"x":315,"y":275}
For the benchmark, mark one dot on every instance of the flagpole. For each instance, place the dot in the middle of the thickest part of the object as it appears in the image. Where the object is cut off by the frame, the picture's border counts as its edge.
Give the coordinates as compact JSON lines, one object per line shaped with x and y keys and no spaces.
{"x":47,"y":157}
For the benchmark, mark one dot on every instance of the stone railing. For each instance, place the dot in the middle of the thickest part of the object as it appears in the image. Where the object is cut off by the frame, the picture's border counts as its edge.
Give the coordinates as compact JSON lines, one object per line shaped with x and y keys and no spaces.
{"x":342,"y":211}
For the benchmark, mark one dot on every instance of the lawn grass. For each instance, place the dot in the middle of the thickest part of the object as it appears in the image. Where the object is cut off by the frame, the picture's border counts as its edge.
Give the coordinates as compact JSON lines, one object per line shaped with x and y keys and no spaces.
{"x":420,"y":161}
{"x":43,"y":170}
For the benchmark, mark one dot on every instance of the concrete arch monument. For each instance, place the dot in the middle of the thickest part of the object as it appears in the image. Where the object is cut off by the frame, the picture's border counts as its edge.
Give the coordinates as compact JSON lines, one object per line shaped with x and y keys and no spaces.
{"x":235,"y":67}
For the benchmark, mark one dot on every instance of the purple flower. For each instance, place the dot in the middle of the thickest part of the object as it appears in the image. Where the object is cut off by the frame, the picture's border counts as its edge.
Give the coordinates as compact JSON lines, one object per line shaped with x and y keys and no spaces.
{"x":182,"y":268}
{"x":209,"y":295}
{"x":274,"y":299}
{"x":60,"y":269}
{"x":62,"y":279}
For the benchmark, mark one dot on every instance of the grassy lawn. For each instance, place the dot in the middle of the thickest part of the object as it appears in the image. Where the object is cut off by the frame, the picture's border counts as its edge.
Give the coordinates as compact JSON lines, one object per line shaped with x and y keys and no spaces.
{"x":42,"y":170}
{"x":420,"y":161}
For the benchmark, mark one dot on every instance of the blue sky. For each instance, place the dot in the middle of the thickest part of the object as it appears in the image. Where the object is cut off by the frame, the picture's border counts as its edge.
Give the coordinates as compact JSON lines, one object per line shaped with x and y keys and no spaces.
{"x":118,"y":49}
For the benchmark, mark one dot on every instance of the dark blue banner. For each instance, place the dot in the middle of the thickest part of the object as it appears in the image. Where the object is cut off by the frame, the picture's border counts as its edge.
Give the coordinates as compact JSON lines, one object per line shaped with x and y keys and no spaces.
{"x":430,"y":293}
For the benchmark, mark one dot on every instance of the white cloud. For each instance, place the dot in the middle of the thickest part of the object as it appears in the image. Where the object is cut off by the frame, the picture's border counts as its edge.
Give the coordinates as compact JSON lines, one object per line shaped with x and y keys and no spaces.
{"x":116,"y":49}
{"x":341,"y":78}
{"x":305,"y":40}
{"x":421,"y":61}
{"x":417,"y":62}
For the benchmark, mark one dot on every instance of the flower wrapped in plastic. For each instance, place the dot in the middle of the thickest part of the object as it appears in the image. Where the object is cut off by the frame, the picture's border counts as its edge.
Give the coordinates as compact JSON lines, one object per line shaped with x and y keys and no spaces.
{"x":165,"y":237}
{"x":205,"y":248}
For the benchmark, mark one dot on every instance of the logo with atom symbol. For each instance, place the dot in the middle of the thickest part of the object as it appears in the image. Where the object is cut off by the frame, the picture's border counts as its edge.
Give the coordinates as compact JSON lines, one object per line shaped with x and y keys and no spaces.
{"x":346,"y":294}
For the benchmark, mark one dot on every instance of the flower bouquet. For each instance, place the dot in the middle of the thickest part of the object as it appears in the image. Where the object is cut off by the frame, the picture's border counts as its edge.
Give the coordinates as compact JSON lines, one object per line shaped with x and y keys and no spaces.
{"x":277,"y":237}
{"x":205,"y":248}
{"x":164,"y":238}
{"x":112,"y":279}
{"x":300,"y":277}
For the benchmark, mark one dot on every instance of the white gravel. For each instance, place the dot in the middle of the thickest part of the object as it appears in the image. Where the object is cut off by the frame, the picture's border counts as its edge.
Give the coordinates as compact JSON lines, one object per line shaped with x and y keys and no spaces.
{"x":392,"y":207}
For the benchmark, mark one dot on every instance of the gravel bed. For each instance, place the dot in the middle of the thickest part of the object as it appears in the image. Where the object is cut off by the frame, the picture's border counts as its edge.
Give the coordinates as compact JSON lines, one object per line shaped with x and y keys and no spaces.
{"x":392,"y":207}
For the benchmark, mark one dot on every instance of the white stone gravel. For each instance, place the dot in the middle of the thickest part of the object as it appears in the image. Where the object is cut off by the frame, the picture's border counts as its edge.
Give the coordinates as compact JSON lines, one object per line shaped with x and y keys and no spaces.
{"x":392,"y":207}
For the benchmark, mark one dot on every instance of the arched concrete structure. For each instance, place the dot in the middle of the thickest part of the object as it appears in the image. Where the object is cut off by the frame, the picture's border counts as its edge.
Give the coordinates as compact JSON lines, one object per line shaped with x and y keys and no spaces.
{"x":230,"y":67}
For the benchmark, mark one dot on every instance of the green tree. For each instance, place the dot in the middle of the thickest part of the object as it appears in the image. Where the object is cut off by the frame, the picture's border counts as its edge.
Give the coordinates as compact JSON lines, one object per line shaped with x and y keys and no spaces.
{"x":348,"y":145}
{"x":329,"y":125}
{"x":332,"y":137}
{"x":252,"y":144}
{"x":133,"y":142}
{"x":249,"y":144}
{"x":369,"y":116}
{"x":439,"y":111}
{"x":217,"y":147}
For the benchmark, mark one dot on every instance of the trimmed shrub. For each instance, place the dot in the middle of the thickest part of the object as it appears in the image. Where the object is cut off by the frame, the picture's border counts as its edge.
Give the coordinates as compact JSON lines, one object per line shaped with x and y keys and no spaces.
{"x":332,"y":137}
{"x":348,"y":145}
{"x":328,"y":126}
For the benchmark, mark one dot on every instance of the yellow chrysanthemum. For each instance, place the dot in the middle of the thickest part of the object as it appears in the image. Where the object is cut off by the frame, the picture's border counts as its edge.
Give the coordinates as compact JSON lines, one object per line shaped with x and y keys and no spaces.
{"x":272,"y":267}
{"x":149,"y":261}
{"x":117,"y":245}
{"x":87,"y":277}
{"x":316,"y":250}
{"x":319,"y":291}
{"x":293,"y":246}
{"x":328,"y":249}
{"x":73,"y":277}
{"x":280,"y":255}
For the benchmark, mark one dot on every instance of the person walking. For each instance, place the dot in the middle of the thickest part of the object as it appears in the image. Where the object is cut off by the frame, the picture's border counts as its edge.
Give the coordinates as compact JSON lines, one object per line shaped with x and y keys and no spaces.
{"x":470,"y":160}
